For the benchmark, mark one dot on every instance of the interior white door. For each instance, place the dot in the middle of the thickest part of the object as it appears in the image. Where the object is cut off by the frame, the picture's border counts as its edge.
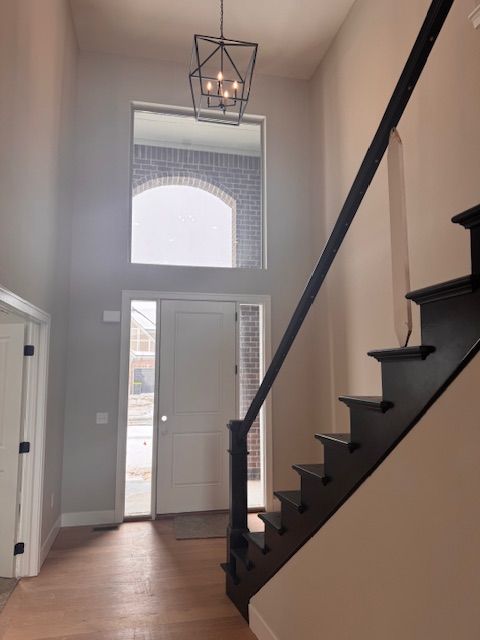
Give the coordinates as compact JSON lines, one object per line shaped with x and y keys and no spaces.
{"x":11,"y":370}
{"x":196,"y":400}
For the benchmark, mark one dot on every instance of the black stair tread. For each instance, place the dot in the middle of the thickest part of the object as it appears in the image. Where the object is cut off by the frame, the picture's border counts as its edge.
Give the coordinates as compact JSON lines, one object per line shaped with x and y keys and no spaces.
{"x":404,"y":353}
{"x":228,"y":570}
{"x":339,"y":439}
{"x":257,"y":538}
{"x":375,"y":403}
{"x":241,"y":554}
{"x":469,"y":218}
{"x":444,"y":290}
{"x":291,"y":498}
{"x":315,"y":470}
{"x":273,"y":519}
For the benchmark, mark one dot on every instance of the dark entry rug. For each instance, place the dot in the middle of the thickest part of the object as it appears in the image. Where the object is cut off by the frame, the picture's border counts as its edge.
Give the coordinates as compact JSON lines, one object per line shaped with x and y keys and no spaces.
{"x":7,"y":585}
{"x":201,"y":525}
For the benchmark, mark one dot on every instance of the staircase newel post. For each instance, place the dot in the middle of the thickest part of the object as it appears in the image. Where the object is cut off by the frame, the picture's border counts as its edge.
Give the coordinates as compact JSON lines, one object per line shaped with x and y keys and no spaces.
{"x":237,"y":525}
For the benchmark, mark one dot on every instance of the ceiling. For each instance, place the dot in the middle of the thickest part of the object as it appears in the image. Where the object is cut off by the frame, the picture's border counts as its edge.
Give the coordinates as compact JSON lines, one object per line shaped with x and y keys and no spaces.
{"x":293,"y":35}
{"x":167,"y":130}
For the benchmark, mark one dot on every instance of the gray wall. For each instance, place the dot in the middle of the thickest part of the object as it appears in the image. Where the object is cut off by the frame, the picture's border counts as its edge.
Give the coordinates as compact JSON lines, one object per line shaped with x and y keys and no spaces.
{"x":38,"y":54}
{"x":100,"y":267}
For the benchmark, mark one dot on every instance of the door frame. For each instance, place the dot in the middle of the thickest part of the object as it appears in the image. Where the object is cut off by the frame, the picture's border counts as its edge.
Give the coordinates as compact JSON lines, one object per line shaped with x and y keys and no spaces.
{"x":33,"y":430}
{"x":127,"y":296}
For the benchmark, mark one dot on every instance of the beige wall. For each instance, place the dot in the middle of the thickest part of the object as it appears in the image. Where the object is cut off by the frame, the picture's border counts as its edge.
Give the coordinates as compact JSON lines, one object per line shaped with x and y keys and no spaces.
{"x":441,"y":140}
{"x":400,"y":560}
{"x":37,"y":87}
{"x":100,"y":267}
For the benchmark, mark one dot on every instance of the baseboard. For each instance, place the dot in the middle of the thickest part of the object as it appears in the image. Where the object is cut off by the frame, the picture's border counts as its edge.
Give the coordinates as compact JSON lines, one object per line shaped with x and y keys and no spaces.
{"x":49,"y":540}
{"x":258,"y":626}
{"x":84,"y":518}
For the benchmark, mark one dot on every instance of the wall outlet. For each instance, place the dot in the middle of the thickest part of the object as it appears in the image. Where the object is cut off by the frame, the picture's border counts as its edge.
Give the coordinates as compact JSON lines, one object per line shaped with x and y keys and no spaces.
{"x":102,"y":418}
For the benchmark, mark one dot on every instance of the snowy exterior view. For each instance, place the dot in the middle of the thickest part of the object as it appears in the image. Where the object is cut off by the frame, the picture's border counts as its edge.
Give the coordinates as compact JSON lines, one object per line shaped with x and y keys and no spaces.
{"x":138,"y":485}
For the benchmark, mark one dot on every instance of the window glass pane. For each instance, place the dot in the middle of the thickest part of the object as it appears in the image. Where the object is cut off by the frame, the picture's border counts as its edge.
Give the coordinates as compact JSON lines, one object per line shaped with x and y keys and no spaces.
{"x":181,"y":225}
{"x":197,"y":192}
{"x":141,"y":402}
{"x":250,"y":359}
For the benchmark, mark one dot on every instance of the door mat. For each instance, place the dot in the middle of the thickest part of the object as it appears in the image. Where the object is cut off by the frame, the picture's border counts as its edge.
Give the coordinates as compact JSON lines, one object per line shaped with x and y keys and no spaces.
{"x":201,"y":525}
{"x":7,"y":585}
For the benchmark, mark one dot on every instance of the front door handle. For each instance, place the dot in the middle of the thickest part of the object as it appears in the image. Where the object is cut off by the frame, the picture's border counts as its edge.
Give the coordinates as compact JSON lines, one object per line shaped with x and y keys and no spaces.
{"x":164,"y":430}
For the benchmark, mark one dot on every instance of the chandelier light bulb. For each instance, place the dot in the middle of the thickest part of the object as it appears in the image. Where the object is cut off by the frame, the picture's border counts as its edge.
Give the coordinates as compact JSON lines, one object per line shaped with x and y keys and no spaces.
{"x":226,"y":95}
{"x":235,"y":85}
{"x":209,"y":86}
{"x":220,"y":76}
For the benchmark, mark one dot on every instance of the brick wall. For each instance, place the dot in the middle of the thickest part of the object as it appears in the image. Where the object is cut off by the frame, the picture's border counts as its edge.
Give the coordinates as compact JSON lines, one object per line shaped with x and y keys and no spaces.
{"x":234,"y":178}
{"x":249,"y":371}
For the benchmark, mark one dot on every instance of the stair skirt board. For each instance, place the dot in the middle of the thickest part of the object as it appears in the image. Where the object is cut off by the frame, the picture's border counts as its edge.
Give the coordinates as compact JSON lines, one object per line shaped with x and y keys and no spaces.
{"x":412,"y":380}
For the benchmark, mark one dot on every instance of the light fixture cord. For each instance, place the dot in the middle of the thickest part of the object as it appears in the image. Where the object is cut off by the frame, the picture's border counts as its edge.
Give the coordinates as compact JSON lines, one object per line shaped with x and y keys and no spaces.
{"x":221,"y":19}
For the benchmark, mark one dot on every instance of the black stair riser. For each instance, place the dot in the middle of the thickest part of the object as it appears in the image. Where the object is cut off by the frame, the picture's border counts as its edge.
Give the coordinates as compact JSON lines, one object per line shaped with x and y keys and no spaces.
{"x":313,"y":491}
{"x":475,"y":249}
{"x":291,"y":518}
{"x":337,"y":461}
{"x":441,"y":320}
{"x":418,"y":375}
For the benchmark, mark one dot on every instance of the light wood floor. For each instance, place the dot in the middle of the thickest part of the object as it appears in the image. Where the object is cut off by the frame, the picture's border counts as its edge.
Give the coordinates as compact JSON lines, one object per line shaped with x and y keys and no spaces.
{"x":136,"y":583}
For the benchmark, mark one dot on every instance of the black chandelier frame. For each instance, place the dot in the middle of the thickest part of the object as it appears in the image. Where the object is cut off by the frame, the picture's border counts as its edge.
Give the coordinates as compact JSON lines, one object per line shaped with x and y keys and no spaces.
{"x":213,"y":106}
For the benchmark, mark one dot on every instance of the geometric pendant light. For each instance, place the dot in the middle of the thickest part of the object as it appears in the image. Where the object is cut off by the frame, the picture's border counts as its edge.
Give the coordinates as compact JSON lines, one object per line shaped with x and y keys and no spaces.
{"x":221,"y":73}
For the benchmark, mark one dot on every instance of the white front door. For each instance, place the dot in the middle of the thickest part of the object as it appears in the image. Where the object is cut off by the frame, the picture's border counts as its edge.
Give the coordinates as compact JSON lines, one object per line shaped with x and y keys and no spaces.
{"x":11,"y":369}
{"x":196,"y":400}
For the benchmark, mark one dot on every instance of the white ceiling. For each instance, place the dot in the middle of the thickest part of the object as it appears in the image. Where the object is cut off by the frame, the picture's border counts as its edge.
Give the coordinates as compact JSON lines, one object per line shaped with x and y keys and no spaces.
{"x":293,"y":35}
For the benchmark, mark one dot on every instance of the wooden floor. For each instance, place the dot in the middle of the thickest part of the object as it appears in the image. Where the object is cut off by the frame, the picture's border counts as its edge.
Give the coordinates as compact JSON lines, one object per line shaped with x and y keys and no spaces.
{"x":137,"y":582}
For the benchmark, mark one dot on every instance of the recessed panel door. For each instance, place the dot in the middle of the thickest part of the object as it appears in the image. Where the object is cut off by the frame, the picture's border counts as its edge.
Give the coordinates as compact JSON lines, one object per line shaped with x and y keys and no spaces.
{"x":196,"y":400}
{"x":11,"y":370}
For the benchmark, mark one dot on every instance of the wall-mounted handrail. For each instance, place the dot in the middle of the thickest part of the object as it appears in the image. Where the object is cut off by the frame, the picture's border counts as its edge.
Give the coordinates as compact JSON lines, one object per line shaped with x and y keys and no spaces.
{"x":429,"y":31}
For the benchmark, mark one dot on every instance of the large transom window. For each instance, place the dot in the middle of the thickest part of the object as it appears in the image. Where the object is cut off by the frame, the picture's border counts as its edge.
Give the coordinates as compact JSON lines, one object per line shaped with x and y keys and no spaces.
{"x":197,"y":192}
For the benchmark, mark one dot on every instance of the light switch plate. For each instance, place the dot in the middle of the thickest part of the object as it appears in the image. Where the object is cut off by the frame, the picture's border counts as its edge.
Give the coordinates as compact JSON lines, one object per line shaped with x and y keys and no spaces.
{"x":102,"y":418}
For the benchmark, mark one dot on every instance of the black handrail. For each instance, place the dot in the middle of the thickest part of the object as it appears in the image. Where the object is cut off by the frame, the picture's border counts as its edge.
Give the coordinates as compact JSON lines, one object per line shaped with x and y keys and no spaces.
{"x":431,"y":27}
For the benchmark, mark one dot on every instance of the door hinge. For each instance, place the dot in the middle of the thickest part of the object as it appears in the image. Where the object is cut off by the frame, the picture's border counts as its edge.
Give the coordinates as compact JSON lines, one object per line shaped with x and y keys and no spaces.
{"x":29,"y":350}
{"x":19,"y":548}
{"x":24,"y":447}
{"x":236,"y":369}
{"x":236,"y":316}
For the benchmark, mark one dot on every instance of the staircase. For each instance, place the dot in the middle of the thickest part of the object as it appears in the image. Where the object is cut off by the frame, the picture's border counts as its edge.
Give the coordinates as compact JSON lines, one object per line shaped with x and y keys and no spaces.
{"x":412,"y":378}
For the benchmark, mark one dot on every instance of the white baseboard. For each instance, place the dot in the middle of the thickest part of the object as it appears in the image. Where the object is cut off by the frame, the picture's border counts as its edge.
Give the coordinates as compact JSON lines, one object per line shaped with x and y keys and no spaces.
{"x":49,"y":540}
{"x":84,"y":518}
{"x":258,"y":626}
